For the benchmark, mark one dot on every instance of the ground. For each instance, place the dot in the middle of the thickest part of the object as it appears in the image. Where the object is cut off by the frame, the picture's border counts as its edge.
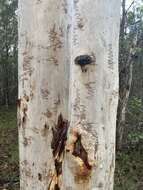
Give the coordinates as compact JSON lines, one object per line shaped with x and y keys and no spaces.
{"x":9,"y":171}
{"x":129,"y":164}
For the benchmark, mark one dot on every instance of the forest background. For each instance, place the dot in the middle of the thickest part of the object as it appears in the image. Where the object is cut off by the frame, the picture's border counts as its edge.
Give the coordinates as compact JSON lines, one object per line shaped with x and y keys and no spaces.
{"x":129,"y":159}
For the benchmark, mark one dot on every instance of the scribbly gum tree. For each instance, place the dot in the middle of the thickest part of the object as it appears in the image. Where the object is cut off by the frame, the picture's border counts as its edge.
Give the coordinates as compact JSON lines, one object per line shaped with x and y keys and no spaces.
{"x":68,"y":93}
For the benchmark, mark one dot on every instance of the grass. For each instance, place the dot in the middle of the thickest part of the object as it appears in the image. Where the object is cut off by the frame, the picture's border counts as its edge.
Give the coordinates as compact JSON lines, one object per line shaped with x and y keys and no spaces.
{"x":9,"y":171}
{"x":129,"y":165}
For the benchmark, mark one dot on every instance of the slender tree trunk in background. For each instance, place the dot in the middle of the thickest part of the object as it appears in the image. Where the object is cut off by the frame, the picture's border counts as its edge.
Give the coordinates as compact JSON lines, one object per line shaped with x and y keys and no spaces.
{"x":123,"y":22}
{"x":6,"y":71}
{"x":68,"y":93}
{"x":122,"y":82}
{"x":6,"y":83}
{"x":124,"y":92}
{"x":125,"y":78}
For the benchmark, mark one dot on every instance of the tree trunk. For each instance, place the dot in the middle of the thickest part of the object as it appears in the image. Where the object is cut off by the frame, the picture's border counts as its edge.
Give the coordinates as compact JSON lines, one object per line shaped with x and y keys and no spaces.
{"x":6,"y":76}
{"x":68,"y":93}
{"x":125,"y":77}
{"x":6,"y":83}
{"x":124,"y":92}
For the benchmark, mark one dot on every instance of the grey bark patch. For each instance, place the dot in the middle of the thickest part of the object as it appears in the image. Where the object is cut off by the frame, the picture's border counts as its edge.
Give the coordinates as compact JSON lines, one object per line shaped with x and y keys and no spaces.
{"x":45,"y":130}
{"x":26,"y":98}
{"x":48,"y":113}
{"x":55,"y":36}
{"x":28,"y":57}
{"x":65,"y":6}
{"x":45,"y":93}
{"x":39,"y":177}
{"x":38,"y":2}
{"x":25,"y":142}
{"x":80,"y":24}
{"x":110,"y":57}
{"x":90,"y":86}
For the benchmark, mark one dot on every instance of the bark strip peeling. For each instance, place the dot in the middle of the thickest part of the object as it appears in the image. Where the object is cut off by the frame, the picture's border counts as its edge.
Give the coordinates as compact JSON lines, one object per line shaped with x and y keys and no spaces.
{"x":79,"y":151}
{"x":58,"y":146}
{"x":81,"y":162}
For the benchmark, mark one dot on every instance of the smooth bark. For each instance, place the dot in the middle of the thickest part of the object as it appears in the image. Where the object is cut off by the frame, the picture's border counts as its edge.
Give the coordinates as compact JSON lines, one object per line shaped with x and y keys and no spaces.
{"x":68,"y":93}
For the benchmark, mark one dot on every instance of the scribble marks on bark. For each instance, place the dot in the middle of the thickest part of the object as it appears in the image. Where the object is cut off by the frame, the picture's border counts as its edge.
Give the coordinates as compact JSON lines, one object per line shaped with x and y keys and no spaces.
{"x":45,"y":93}
{"x":28,"y":57}
{"x":55,"y":37}
{"x":110,"y":57}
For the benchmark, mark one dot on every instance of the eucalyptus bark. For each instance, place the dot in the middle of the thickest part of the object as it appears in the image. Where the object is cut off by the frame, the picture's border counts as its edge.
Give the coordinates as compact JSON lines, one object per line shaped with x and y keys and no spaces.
{"x":68,"y":93}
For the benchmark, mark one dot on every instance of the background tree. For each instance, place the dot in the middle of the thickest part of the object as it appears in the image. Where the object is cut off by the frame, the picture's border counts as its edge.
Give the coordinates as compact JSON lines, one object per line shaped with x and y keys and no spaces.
{"x":8,"y":52}
{"x":129,"y":163}
{"x":134,"y":121}
{"x":129,"y":38}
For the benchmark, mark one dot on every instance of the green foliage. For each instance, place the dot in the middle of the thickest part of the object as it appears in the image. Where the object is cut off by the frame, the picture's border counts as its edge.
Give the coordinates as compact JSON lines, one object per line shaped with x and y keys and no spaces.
{"x":129,"y":171}
{"x":131,"y":18}
{"x":135,"y":111}
{"x":135,"y":137}
{"x":135,"y":123}
{"x":136,"y":106}
{"x":8,"y":28}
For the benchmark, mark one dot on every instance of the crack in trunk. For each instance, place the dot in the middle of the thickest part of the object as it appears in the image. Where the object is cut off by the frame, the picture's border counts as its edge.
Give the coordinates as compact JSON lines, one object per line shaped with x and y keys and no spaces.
{"x":58,"y":146}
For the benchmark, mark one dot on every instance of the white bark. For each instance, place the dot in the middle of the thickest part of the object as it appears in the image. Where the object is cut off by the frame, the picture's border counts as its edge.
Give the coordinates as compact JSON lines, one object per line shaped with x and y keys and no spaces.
{"x":43,"y":86}
{"x":94,"y":93}
{"x":54,"y":92}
